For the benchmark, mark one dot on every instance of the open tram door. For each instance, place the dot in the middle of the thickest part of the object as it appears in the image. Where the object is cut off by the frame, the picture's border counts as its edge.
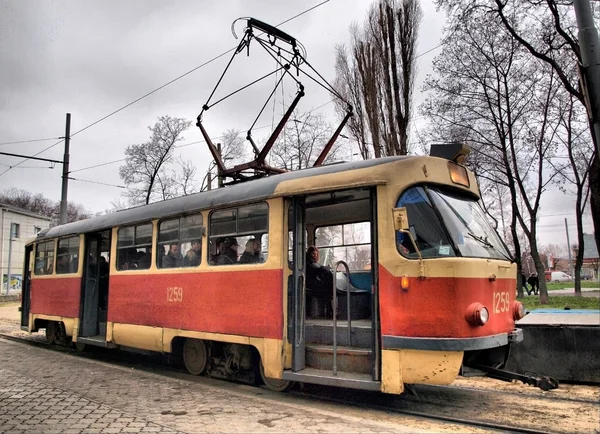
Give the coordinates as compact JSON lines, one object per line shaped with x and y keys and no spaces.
{"x":26,"y":288}
{"x":337,"y":346}
{"x":94,"y":291}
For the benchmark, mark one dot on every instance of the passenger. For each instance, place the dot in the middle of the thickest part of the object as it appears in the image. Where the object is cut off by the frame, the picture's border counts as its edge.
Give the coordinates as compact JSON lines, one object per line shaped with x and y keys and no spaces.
{"x":63,"y":265}
{"x":173,"y":258}
{"x":318,"y":277}
{"x":535,"y":284}
{"x":252,"y":253}
{"x":143,"y":260}
{"x":192,"y":257}
{"x":214,"y":260}
{"x":230,"y":253}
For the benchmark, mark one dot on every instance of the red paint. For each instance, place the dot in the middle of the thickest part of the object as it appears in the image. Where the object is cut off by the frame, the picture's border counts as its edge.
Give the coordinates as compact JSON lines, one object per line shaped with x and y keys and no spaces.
{"x":436,"y":306}
{"x":58,"y":296}
{"x":245,"y":303}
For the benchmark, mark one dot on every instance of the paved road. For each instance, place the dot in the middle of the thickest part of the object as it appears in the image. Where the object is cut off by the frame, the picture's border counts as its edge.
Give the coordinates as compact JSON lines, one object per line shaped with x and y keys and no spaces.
{"x":44,"y":391}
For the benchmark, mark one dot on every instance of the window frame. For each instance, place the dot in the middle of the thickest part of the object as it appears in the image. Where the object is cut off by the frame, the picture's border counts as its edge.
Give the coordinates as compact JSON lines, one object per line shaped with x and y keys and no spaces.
{"x":52,"y":256}
{"x":179,"y":241}
{"x":134,"y":245}
{"x":345,"y":246}
{"x":69,"y":252}
{"x":246,"y":235}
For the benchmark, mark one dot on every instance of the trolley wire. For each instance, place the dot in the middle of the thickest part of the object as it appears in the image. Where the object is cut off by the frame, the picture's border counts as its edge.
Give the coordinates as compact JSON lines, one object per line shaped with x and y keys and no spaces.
{"x":162,"y":87}
{"x":28,"y":141}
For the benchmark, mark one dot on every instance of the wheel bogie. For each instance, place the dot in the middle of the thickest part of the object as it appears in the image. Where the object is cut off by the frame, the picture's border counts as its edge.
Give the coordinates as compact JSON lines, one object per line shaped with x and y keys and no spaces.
{"x":195,"y":356}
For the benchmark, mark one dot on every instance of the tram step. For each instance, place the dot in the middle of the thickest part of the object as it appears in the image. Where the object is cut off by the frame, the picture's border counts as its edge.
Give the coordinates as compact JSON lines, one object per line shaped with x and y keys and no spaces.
{"x":349,"y":359}
{"x":321,"y":332}
{"x":325,"y":377}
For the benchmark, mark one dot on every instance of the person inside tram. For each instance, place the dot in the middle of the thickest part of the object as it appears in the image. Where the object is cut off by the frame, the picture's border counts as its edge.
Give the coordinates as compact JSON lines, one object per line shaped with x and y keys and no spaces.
{"x":192,"y":257}
{"x":318,"y":277}
{"x":220,"y":243}
{"x":230,"y":253}
{"x":63,"y":265}
{"x":252,"y":253}
{"x":173,"y":258}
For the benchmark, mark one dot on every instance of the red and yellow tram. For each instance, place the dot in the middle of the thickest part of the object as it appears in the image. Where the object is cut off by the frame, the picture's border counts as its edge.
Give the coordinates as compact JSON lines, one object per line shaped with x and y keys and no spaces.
{"x":429,"y":283}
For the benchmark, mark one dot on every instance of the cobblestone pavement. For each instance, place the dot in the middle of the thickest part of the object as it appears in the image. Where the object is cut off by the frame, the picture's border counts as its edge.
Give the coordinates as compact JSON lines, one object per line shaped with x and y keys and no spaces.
{"x":45,"y":391}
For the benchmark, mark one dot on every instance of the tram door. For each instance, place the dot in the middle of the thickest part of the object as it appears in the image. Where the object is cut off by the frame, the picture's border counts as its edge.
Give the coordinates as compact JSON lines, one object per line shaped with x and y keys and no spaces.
{"x":95,"y":284}
{"x":26,"y":289}
{"x":297,"y":287}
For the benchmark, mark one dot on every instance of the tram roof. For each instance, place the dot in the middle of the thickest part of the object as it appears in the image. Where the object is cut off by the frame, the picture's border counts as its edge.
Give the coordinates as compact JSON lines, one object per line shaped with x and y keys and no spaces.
{"x":247,"y":191}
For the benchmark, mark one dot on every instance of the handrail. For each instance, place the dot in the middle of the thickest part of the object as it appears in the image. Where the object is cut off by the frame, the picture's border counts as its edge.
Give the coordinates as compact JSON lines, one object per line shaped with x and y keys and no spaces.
{"x":334,"y":306}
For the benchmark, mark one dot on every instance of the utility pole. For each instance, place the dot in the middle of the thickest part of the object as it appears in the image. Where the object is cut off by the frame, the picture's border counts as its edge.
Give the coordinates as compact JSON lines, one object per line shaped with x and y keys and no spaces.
{"x":568,"y":248}
{"x":590,"y":62}
{"x":65,"y":175}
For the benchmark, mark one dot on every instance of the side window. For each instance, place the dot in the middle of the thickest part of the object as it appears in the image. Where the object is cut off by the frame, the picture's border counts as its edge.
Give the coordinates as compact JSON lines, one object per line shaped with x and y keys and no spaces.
{"x":239,"y":235}
{"x":67,"y":255}
{"x":180,"y":242}
{"x":134,"y":247}
{"x":350,"y":243}
{"x":44,"y":258}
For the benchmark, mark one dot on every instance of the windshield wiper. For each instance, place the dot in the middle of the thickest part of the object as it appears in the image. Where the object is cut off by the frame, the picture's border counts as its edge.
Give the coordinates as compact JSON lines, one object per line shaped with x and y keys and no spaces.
{"x":482,"y":240}
{"x":487,"y":244}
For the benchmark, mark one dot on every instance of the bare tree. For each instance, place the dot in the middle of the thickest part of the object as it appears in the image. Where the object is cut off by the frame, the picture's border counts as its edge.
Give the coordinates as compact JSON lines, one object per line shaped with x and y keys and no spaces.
{"x":547,"y":30}
{"x":38,"y":204}
{"x":574,"y":138}
{"x":486,"y":84}
{"x":377,"y":76}
{"x":144,"y":171}
{"x":302,"y":141}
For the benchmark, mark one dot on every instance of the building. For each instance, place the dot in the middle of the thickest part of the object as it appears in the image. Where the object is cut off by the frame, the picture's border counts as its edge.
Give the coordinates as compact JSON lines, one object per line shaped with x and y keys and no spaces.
{"x":17,"y":227}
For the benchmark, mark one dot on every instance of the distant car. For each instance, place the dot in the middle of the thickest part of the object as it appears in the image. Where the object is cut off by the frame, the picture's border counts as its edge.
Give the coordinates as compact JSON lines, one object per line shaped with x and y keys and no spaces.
{"x":560,"y":276}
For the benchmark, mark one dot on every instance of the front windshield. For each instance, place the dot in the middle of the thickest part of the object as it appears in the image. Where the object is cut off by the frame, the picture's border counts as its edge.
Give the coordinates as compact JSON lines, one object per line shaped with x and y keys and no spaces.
{"x":465,"y":230}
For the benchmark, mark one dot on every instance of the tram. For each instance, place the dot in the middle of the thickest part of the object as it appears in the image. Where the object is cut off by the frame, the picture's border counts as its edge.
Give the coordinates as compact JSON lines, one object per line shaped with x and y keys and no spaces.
{"x":429,"y":286}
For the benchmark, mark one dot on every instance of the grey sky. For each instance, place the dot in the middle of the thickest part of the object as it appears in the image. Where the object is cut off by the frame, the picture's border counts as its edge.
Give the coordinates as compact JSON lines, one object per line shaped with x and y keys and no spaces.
{"x":90,"y":58}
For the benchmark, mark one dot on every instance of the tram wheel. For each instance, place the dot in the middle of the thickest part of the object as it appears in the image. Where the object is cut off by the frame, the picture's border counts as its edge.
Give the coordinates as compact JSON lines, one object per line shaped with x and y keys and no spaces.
{"x":51,"y":332}
{"x":274,"y":384}
{"x":194,"y":356}
{"x":81,"y":347}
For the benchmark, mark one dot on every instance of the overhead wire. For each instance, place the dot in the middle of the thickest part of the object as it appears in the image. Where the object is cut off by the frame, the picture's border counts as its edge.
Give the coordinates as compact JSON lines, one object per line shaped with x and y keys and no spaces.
{"x":161,"y":87}
{"x":28,"y":141}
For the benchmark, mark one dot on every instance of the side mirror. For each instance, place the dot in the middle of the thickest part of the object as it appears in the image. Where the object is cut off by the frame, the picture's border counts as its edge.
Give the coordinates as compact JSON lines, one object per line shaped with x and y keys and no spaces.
{"x":400,"y":219}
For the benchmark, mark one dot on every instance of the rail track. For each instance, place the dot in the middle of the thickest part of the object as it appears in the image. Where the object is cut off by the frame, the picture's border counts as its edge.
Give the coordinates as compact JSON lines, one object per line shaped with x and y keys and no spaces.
{"x":478,"y":407}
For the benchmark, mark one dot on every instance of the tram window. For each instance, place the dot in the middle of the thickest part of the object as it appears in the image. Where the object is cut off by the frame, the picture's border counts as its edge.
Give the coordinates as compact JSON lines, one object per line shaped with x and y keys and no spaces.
{"x":134,"y":247}
{"x":425,"y":227}
{"x":350,"y":243}
{"x":67,"y":257}
{"x":239,"y":235}
{"x":180,"y":242}
{"x":44,"y":258}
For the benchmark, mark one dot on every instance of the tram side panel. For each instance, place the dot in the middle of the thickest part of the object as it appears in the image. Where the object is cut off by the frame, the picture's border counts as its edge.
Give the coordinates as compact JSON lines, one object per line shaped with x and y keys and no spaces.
{"x":56,"y":299}
{"x":230,"y":302}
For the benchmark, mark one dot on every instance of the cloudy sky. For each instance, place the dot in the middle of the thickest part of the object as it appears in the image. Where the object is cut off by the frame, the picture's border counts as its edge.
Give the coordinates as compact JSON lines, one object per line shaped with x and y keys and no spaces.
{"x":91,"y":58}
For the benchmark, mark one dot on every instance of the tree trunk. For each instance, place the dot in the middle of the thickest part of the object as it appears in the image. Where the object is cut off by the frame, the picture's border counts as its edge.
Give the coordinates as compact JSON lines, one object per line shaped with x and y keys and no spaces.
{"x":595,"y":197}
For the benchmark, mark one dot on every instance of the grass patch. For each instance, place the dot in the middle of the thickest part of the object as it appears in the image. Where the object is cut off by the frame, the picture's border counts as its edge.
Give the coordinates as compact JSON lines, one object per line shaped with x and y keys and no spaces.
{"x":531,"y":303}
{"x":562,"y":285}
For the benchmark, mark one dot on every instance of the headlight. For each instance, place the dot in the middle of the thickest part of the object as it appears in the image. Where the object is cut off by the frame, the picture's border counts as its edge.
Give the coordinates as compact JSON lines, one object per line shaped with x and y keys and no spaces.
{"x":477,"y":314}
